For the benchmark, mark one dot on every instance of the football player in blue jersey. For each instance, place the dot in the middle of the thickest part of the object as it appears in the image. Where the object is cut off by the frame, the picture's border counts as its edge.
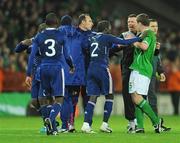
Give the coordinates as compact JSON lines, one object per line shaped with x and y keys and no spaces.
{"x":67,"y":107}
{"x":51,"y":44}
{"x":99,"y":79}
{"x":75,"y":82}
{"x":25,"y":45}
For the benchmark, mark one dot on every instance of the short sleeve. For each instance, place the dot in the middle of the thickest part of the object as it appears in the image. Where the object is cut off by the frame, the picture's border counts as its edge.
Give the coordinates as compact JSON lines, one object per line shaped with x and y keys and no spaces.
{"x":147,"y":40}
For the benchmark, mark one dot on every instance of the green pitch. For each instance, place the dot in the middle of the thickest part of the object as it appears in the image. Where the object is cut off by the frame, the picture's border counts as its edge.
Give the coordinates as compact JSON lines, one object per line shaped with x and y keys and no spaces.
{"x":26,"y":130}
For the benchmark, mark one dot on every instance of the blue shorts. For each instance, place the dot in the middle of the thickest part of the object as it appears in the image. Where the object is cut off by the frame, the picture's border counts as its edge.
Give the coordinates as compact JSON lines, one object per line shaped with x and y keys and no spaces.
{"x":52,"y":80}
{"x":99,"y":81}
{"x":37,"y":74}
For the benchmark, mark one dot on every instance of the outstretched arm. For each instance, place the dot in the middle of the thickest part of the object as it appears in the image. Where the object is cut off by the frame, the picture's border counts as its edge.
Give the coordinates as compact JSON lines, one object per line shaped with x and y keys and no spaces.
{"x":121,"y":41}
{"x":23,"y":45}
{"x":20,"y":48}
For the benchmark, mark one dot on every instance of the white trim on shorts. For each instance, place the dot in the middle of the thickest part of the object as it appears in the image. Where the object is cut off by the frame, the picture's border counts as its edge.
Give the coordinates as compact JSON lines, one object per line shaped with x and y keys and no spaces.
{"x":110,"y":82}
{"x":63,"y":81}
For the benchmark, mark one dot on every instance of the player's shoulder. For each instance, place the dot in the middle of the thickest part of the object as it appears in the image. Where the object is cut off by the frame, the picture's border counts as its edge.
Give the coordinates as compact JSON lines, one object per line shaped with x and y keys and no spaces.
{"x":96,"y":35}
{"x":104,"y":37}
{"x":64,"y":28}
{"x":108,"y":36}
{"x":69,"y":30}
{"x":40,"y":34}
{"x":56,"y":32}
{"x":93,"y":33}
{"x":150,"y":32}
{"x":37,"y":36}
{"x":48,"y":32}
{"x":74,"y":31}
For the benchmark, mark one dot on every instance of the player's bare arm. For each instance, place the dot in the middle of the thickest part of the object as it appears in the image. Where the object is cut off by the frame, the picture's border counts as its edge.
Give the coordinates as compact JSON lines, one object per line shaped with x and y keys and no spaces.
{"x":141,"y":45}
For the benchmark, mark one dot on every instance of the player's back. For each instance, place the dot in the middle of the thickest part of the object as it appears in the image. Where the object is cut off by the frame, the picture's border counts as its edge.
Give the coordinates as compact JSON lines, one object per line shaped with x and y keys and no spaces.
{"x":50,"y":43}
{"x":100,"y":45}
{"x":76,"y":37}
{"x":98,"y":75}
{"x":69,"y":30}
{"x":99,"y":49}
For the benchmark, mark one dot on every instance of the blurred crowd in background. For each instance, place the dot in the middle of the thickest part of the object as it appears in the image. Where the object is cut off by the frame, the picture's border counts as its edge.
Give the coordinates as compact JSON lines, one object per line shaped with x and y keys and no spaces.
{"x":19,"y":19}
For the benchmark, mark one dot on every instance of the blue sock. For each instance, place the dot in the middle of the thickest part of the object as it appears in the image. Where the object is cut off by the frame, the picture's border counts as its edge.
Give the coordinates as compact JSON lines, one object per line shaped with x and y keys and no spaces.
{"x":107,"y":109}
{"x":56,"y":108}
{"x":44,"y":112}
{"x":65,"y":113}
{"x":89,"y":112}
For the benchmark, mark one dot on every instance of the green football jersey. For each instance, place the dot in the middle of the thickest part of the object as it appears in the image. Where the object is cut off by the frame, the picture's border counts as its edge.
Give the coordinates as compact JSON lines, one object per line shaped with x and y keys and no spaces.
{"x":142,"y":61}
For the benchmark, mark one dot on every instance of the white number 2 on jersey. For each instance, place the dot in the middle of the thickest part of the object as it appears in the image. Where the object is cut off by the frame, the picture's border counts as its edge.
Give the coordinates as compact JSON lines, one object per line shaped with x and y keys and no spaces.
{"x":51,"y":47}
{"x":95,"y":45}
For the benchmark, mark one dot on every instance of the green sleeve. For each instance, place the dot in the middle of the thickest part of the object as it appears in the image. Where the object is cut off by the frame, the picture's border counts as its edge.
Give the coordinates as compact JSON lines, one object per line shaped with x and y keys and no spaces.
{"x":147,"y":40}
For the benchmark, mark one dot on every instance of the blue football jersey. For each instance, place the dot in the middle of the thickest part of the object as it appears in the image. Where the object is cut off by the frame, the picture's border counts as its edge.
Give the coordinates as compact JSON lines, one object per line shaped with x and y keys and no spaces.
{"x":51,"y":45}
{"x":68,"y":32}
{"x":76,"y":38}
{"x":99,"y":80}
{"x":100,"y":44}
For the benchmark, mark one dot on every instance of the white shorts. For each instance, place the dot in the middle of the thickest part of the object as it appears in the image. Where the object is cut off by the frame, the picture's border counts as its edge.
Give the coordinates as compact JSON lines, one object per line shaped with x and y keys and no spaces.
{"x":138,"y":83}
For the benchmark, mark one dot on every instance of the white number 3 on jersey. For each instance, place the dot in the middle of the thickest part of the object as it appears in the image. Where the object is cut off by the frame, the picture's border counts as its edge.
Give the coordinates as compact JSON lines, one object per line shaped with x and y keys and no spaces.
{"x":51,"y":47}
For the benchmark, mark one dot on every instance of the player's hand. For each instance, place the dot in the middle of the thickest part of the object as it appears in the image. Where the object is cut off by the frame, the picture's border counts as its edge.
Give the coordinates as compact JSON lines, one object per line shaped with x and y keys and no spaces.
{"x":71,"y":71}
{"x":162,"y":77}
{"x":158,"y":45}
{"x":27,"y":42}
{"x":28,"y":82}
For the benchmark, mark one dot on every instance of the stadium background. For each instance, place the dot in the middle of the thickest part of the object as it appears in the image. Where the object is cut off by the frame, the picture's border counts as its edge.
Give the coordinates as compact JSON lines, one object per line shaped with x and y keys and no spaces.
{"x":19,"y":19}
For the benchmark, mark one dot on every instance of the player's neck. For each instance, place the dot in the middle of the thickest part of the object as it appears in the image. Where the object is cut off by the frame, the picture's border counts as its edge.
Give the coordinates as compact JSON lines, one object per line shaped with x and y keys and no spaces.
{"x":52,"y":26}
{"x":144,"y":28}
{"x":82,"y":28}
{"x":133,"y":31}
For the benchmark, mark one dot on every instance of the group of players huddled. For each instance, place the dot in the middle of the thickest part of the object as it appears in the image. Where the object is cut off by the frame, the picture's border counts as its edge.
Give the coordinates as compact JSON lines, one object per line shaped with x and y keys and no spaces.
{"x":65,"y":61}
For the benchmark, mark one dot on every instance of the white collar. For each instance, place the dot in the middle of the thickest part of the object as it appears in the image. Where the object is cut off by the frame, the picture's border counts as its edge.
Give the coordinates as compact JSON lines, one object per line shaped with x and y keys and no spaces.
{"x":50,"y":28}
{"x":98,"y":33}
